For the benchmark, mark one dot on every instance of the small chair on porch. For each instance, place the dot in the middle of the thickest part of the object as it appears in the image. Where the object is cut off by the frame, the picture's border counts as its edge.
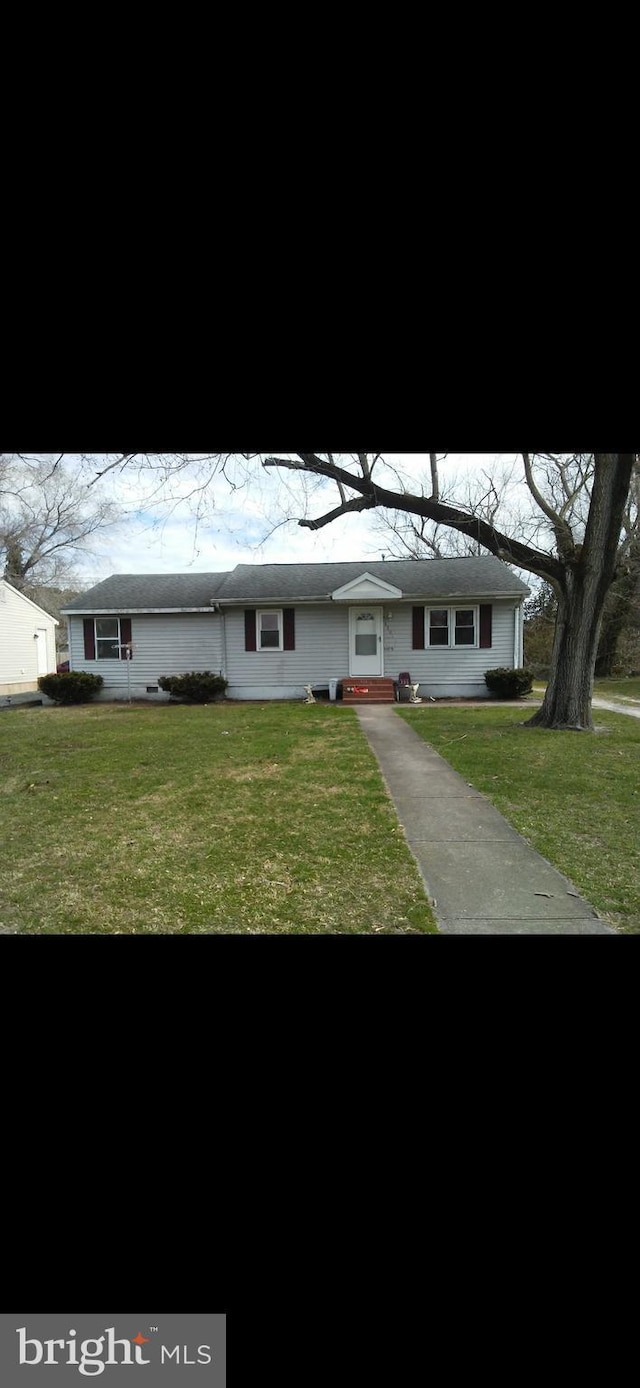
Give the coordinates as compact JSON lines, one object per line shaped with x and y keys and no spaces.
{"x":403,"y":687}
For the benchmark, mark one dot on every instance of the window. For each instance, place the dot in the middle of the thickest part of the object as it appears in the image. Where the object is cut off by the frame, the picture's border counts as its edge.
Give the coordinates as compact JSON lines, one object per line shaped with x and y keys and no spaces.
{"x":465,"y":627}
{"x":452,"y":626}
{"x":366,"y":634}
{"x":439,"y":626}
{"x":270,"y":630}
{"x":107,"y":638}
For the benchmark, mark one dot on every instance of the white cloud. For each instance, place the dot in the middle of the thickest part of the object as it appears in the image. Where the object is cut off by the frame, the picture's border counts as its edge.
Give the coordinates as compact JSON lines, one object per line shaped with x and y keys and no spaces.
{"x":240,"y":525}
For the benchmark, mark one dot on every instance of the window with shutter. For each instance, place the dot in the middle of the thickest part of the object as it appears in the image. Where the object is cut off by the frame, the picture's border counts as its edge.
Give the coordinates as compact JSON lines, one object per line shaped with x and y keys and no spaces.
{"x":107,"y":638}
{"x":449,"y":627}
{"x":269,"y":625}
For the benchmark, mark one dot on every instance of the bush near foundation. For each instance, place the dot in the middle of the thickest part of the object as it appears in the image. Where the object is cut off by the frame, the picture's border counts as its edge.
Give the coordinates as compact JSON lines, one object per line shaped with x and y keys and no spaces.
{"x":74,"y":687}
{"x":509,"y":684}
{"x":195,"y":687}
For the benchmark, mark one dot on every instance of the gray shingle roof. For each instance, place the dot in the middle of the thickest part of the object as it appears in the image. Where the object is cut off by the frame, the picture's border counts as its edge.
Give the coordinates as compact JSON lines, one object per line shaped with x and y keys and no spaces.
{"x":416,"y":577}
{"x":252,"y":583}
{"x":146,"y":592}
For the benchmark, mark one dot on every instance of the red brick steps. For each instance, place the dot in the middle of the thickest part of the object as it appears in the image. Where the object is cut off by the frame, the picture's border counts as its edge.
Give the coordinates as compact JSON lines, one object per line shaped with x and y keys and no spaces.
{"x":372,"y":690}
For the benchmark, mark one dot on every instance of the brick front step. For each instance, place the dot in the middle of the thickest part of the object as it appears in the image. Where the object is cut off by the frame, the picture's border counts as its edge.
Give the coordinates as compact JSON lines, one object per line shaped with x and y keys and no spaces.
{"x":377,"y":690}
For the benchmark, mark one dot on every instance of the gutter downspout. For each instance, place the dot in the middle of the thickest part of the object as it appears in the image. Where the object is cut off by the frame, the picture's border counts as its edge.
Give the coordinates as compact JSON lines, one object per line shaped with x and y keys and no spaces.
{"x":224,"y":643}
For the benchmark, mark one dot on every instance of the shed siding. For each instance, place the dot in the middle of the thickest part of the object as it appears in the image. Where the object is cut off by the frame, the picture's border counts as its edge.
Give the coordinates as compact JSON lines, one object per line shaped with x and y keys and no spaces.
{"x":19,"y":621}
{"x":165,"y":644}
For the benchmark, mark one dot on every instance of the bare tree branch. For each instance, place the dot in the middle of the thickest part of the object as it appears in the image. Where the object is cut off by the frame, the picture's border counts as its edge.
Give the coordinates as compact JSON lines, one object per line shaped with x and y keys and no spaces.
{"x":496,"y":541}
{"x":563,"y":533}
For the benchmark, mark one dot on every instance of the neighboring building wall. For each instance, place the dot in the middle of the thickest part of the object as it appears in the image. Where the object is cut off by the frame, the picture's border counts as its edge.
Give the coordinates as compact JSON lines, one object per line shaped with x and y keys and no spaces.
{"x":322,"y":653}
{"x":165,"y":644}
{"x":20,"y":619}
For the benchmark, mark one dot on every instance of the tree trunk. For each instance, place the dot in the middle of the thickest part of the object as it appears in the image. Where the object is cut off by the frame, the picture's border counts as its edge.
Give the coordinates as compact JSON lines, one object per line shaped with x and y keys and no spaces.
{"x":587,"y":576}
{"x":618,"y":612}
{"x":567,"y":702}
{"x":613,"y":624}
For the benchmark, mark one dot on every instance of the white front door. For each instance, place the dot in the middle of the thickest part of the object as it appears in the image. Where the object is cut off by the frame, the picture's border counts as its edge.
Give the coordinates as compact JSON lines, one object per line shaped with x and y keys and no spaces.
{"x":41,"y":647}
{"x":365,"y":640}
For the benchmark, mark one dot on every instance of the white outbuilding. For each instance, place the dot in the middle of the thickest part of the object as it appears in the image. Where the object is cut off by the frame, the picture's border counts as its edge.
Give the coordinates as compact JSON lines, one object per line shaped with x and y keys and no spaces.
{"x":27,"y":642}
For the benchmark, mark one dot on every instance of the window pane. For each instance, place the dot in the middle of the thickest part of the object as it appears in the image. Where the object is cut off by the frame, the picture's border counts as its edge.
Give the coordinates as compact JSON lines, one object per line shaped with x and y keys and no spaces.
{"x":269,"y":638}
{"x":439,"y":627}
{"x":269,"y":621}
{"x":465,"y":627}
{"x":366,"y":645}
{"x":107,"y":650}
{"x":107,"y":626}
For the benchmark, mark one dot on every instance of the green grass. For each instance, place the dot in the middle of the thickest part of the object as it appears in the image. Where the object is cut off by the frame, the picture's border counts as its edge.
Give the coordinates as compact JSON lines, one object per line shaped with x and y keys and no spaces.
{"x":219,"y":819}
{"x":605,"y":689}
{"x":574,"y":796}
{"x":625,"y":688}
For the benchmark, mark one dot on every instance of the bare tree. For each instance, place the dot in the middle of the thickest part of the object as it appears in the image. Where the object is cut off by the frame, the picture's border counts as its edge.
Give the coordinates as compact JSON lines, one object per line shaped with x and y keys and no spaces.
{"x":48,"y":518}
{"x":580,"y":501}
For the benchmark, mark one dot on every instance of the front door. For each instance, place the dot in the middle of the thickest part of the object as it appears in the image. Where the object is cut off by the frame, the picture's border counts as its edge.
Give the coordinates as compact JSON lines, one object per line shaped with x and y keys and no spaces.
{"x":365,"y":640}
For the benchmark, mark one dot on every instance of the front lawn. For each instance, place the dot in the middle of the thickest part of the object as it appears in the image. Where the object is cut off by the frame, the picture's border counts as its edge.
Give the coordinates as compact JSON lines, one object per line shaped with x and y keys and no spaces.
{"x":574,"y":796}
{"x":260,"y":819}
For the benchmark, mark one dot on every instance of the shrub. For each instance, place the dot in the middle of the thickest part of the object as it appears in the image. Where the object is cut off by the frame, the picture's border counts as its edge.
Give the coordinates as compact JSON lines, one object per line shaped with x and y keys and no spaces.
{"x":196,"y":687}
{"x":74,"y":687}
{"x":509,"y":684}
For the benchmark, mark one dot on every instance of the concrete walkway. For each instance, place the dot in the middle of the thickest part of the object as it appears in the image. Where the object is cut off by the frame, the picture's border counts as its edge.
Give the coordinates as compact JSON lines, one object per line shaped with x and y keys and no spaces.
{"x":617,"y":708}
{"x":481,"y":876}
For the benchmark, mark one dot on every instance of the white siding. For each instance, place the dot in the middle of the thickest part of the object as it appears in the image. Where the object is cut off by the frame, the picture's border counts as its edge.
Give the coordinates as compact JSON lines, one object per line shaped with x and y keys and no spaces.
{"x":165,"y":644}
{"x":442,"y":671}
{"x":322,"y":653}
{"x":19,"y":620}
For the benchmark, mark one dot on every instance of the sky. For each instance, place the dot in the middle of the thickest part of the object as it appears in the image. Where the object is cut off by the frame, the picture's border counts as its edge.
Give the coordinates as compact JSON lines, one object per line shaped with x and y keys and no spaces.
{"x":242,"y":525}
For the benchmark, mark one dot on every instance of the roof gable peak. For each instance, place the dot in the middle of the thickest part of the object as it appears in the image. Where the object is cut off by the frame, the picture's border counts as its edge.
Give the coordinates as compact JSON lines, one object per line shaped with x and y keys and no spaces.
{"x":366,"y":585}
